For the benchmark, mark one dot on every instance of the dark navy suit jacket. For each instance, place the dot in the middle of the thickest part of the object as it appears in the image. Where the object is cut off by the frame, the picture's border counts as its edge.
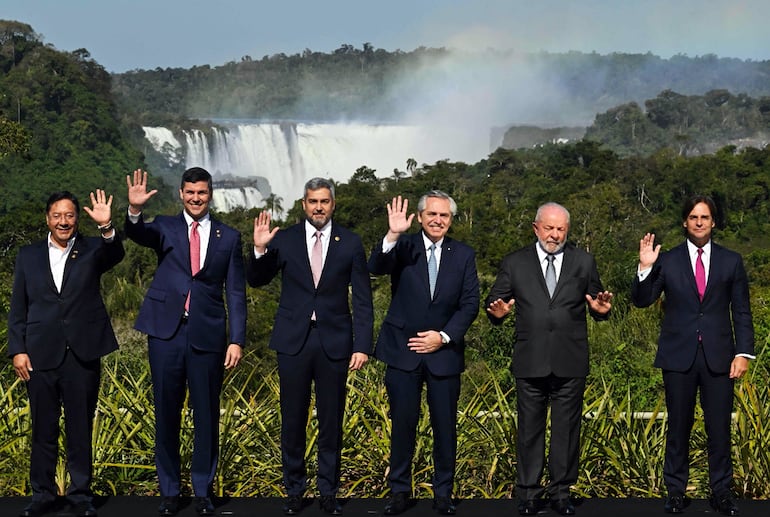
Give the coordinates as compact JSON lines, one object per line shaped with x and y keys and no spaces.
{"x":723,"y":317}
{"x":345,"y":266}
{"x":454,"y":306}
{"x":163,"y":305}
{"x":42,"y":322}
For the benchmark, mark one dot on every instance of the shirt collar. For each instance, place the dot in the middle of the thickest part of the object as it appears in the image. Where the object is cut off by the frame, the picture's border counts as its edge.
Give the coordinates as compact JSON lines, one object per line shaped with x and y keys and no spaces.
{"x":692,"y":249}
{"x":310,"y":229}
{"x":542,"y":254}
{"x":70,"y":243}
{"x":427,"y":242}
{"x":203,"y":221}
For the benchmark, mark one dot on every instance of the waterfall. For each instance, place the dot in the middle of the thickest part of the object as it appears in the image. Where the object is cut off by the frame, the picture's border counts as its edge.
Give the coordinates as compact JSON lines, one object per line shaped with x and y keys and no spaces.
{"x":250,"y":161}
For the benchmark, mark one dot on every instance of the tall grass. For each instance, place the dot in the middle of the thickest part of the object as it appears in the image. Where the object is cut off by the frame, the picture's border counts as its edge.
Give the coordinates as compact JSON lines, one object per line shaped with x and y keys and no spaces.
{"x":620,"y":455}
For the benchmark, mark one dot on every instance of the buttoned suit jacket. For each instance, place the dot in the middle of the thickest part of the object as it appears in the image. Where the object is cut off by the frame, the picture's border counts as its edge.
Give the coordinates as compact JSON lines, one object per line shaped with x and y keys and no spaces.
{"x":551,"y":334}
{"x":452,"y":309}
{"x":341,"y":331}
{"x":723,"y":318}
{"x":221,"y":278}
{"x":43,"y":322}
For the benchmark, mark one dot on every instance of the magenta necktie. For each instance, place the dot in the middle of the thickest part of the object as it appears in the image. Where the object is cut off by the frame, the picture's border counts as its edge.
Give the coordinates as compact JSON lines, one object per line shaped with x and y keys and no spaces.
{"x":195,"y":256}
{"x":316,"y":258}
{"x":700,"y":274}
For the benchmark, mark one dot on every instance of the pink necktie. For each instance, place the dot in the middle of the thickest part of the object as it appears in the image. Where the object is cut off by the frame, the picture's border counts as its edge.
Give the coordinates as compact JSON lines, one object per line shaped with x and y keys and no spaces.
{"x":700,"y":274}
{"x":316,"y":258}
{"x":195,"y":256}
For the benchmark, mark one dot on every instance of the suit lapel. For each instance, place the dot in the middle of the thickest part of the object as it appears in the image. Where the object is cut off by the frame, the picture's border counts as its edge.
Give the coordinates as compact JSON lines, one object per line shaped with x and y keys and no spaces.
{"x":335,"y":241}
{"x":567,"y":267}
{"x":447,"y":264}
{"x":422,"y":260}
{"x":77,"y":249}
{"x":686,"y":265}
{"x":304,"y":253}
{"x":45,"y":265}
{"x":182,"y":237}
{"x":714,"y":269}
{"x":215,"y":239}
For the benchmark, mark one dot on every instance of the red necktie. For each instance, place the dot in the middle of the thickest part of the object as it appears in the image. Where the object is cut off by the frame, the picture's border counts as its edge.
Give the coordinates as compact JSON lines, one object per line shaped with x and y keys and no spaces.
{"x":700,"y":274}
{"x":195,"y":256}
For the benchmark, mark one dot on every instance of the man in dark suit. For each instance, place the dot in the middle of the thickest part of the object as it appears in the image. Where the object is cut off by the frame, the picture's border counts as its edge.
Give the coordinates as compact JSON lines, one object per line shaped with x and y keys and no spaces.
{"x":706,"y":341}
{"x":313,"y":334}
{"x":186,"y":323}
{"x":435,"y":298}
{"x":58,"y":330}
{"x":550,"y":282}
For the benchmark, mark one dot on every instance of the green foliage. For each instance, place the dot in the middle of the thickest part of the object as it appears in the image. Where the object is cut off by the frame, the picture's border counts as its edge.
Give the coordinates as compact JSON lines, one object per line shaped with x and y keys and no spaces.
{"x":60,"y":105}
{"x":688,"y":125}
{"x":375,"y":84}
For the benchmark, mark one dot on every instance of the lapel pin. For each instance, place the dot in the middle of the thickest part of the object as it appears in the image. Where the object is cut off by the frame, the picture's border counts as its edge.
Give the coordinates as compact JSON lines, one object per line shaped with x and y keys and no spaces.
{"x":337,"y":238}
{"x":74,"y":254}
{"x":219,"y":233}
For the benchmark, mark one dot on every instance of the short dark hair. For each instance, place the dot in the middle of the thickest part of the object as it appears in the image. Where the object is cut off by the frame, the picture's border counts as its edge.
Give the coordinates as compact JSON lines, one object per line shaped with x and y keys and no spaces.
{"x":58,"y":196}
{"x":690,"y":203}
{"x":196,"y":174}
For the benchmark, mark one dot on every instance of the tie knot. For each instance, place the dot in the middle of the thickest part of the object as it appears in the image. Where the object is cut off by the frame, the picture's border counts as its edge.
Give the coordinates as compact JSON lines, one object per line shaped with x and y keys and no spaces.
{"x":550,"y":257}
{"x":195,"y":225}
{"x":318,"y":234}
{"x":432,"y":247}
{"x":700,"y":251}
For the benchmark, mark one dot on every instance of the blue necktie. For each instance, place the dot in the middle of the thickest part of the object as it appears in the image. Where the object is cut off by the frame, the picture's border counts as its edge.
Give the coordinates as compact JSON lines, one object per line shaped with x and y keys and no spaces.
{"x":432,"y":269}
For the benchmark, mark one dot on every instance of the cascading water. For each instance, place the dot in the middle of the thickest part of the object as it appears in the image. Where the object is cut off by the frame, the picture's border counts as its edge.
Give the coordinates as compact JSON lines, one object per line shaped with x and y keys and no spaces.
{"x":250,"y":161}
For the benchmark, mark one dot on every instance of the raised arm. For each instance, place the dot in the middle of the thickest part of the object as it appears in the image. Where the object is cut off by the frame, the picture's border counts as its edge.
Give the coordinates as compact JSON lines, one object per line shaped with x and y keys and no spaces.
{"x":398,"y":220}
{"x":648,"y":252}
{"x":262,"y":232}
{"x":137,"y":191}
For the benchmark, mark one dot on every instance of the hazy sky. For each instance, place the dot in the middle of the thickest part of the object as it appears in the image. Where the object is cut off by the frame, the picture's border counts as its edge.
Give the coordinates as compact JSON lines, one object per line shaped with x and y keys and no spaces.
{"x":129,"y":34}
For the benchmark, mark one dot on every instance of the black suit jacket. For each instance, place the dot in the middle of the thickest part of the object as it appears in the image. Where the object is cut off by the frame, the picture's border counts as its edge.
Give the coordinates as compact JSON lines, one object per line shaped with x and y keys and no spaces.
{"x":43,"y":322}
{"x":345,"y":265}
{"x":723,"y":318}
{"x":551,"y":334}
{"x":454,"y":306}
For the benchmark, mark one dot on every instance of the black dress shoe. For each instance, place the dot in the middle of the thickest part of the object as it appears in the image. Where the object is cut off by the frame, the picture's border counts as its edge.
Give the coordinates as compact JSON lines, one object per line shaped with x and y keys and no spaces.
{"x":204,"y":506}
{"x":330,"y":505}
{"x":169,"y":506}
{"x":37,"y":508}
{"x":563,"y":507}
{"x":724,"y":504}
{"x":528,"y":507}
{"x":85,"y":509}
{"x":444,"y":506}
{"x":293,"y":505}
{"x":676,"y":503}
{"x":397,"y":503}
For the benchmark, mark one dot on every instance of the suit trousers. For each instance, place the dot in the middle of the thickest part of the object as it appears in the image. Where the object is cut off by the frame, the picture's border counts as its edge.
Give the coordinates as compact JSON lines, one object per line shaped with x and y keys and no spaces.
{"x":405,"y":395}
{"x":74,"y":384}
{"x":565,"y":394}
{"x":716,"y":400}
{"x":296,"y":375}
{"x":176,"y":367}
